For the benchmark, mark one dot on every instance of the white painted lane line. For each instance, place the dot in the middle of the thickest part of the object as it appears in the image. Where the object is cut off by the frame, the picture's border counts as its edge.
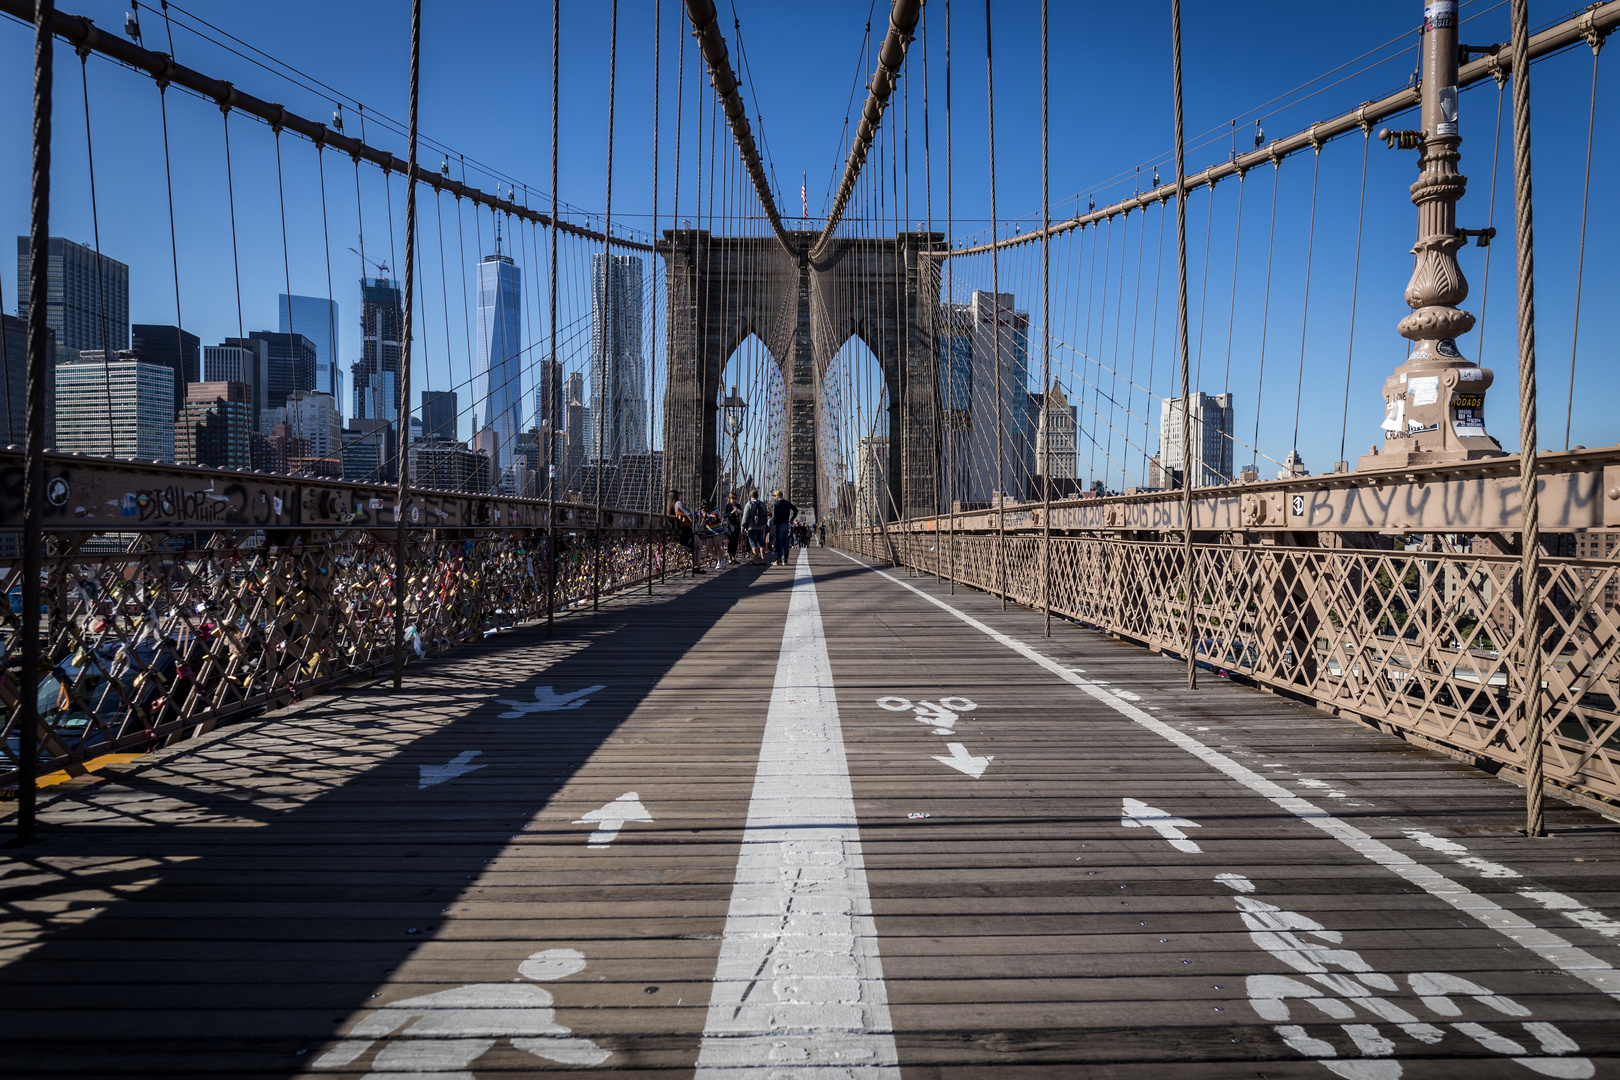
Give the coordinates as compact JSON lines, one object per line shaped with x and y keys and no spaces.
{"x":1573,"y":910}
{"x":1459,"y":853}
{"x":799,"y":986}
{"x":1516,"y":928}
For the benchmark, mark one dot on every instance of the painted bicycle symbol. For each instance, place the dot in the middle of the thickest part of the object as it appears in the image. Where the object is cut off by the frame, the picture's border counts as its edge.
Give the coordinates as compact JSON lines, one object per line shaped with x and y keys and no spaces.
{"x":942,"y":716}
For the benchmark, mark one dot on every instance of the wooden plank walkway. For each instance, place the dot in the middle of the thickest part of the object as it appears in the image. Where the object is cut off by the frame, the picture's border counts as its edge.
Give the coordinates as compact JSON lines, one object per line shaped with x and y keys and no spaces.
{"x":1073,"y":865}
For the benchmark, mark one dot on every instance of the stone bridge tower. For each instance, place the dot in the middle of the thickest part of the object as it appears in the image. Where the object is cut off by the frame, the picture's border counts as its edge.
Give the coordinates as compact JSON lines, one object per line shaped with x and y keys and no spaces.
{"x":721,"y":289}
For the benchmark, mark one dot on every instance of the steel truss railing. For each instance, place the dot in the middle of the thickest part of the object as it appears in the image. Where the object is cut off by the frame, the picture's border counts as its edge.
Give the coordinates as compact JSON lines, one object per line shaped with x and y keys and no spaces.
{"x":1426,"y":644}
{"x":155,"y":631}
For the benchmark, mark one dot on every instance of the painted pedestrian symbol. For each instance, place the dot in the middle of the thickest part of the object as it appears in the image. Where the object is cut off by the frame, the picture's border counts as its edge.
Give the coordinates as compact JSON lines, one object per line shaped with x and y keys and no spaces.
{"x":460,"y":765}
{"x":941,"y":717}
{"x":548,"y":700}
{"x":1365,"y":1051}
{"x":443,"y":1033}
{"x":611,"y":818}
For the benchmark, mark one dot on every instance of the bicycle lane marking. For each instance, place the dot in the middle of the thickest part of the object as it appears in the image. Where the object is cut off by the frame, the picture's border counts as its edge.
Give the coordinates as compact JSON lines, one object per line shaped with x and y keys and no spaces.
{"x":799,"y":982}
{"x":1521,"y":931}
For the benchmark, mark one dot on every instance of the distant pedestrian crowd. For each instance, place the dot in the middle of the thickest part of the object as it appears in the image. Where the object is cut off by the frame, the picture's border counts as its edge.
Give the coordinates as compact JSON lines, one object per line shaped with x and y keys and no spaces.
{"x":744,"y":532}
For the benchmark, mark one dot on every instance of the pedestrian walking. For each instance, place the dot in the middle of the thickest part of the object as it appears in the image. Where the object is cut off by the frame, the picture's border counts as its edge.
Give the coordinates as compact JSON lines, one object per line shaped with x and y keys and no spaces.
{"x":783,"y":513}
{"x":685,"y":529}
{"x":733,"y":526}
{"x":756,"y":522}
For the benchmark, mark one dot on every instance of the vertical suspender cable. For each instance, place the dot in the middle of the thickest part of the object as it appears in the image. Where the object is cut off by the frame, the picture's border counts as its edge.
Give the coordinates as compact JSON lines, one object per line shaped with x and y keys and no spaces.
{"x":1490,"y":220}
{"x":652,"y":286}
{"x":1580,"y":262}
{"x":1305,"y":315}
{"x":101,"y":266}
{"x":1187,"y":581}
{"x":1046,"y":344}
{"x":551,"y":438}
{"x":33,"y":538}
{"x":950,"y":298}
{"x":609,"y":407}
{"x":1530,"y":537}
{"x":995,"y":305}
{"x":1355,"y":289}
{"x":403,"y":411}
{"x":174,"y":248}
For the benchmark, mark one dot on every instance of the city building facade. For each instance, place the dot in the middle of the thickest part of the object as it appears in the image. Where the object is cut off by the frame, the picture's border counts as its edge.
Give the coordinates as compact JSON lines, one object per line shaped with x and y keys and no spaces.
{"x":172,"y":347}
{"x":316,"y":318}
{"x":118,"y":408}
{"x":498,"y":368}
{"x":976,"y":337}
{"x":439,"y":415}
{"x":215,"y":426}
{"x":618,"y":400}
{"x":14,"y":371}
{"x":1211,"y":439}
{"x":375,"y":376}
{"x":87,"y":301}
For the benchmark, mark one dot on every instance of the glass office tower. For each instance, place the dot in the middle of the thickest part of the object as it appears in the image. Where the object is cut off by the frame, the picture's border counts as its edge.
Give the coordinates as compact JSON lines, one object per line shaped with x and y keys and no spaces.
{"x":316,"y":318}
{"x":498,"y":378}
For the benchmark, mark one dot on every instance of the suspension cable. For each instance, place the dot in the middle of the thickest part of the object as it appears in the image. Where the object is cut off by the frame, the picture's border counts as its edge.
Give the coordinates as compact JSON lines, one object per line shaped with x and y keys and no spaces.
{"x":101,"y":268}
{"x":1265,"y":312}
{"x":1355,"y":292}
{"x":1305,"y":311}
{"x":1580,"y":262}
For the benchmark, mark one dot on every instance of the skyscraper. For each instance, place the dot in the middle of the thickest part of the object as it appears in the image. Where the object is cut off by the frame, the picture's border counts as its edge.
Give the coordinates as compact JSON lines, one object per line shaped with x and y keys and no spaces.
{"x":215,"y":426}
{"x":1211,"y":438}
{"x":14,"y":372}
{"x":175,"y":349}
{"x":576,"y":416}
{"x":871,"y":481}
{"x":117,"y":408}
{"x":88,"y":299}
{"x":243,"y":360}
{"x":289,"y":368}
{"x":1057,"y":434}
{"x":498,"y":371}
{"x":976,"y":336}
{"x":618,"y":396}
{"x":316,"y":318}
{"x":376,"y":374}
{"x":439,"y":414}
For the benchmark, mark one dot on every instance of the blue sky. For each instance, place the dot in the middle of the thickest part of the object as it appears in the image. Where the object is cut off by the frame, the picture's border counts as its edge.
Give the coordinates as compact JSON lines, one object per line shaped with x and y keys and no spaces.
{"x":486,"y":93}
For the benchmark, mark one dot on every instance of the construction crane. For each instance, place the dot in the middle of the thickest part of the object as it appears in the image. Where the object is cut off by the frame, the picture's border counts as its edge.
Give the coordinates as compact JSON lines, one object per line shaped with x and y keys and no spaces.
{"x":382,"y":267}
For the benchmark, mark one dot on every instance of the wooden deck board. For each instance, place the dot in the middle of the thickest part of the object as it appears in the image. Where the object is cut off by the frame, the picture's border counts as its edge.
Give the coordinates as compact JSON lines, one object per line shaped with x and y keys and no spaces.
{"x":234,"y":905}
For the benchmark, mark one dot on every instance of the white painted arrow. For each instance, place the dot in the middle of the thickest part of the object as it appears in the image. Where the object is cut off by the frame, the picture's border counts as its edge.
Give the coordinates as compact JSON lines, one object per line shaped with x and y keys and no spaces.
{"x":548,"y":700}
{"x":962,"y":761}
{"x":460,"y":765}
{"x":611,"y":818}
{"x":1139,"y":815}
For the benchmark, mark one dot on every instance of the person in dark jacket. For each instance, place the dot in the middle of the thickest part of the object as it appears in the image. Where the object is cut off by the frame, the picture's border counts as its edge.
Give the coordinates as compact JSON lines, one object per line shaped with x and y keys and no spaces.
{"x":782,"y":514}
{"x":756,"y":522}
{"x":733,"y":526}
